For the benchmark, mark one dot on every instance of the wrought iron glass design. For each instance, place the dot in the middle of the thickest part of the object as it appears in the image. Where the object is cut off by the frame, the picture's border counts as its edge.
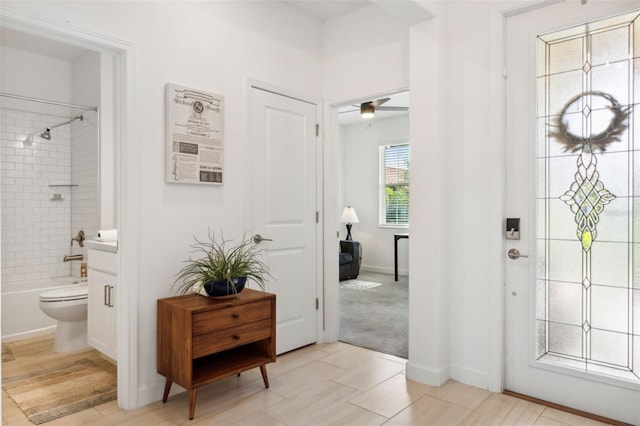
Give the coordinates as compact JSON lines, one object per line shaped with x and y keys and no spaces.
{"x":588,"y":198}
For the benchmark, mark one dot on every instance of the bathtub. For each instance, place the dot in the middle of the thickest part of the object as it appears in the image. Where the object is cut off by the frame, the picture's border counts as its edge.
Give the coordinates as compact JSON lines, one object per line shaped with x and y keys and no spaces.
{"x":21,"y":314}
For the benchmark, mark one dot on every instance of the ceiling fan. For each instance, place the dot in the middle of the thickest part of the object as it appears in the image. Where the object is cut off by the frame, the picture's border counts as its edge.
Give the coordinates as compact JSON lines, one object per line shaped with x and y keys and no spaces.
{"x":368,"y":109}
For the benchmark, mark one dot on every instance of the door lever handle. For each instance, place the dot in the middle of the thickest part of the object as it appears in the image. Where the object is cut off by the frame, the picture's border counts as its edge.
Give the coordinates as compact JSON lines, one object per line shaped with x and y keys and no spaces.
{"x":258,"y":239}
{"x":515,"y":254}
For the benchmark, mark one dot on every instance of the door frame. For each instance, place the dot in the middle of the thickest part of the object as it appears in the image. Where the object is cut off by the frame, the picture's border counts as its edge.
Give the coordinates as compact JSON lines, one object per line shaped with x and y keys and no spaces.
{"x":497,"y":370}
{"x":251,"y":83}
{"x":332,"y":210}
{"x":124,"y":78}
{"x":497,"y":132}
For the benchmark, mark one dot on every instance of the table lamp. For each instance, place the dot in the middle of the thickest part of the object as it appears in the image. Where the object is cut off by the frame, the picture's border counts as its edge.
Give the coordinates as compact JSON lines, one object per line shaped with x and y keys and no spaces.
{"x":349,"y":217}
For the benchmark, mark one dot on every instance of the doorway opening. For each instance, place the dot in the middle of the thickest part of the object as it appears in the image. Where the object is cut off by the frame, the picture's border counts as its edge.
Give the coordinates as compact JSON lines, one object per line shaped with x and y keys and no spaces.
{"x":116,"y":128}
{"x":373,"y":202}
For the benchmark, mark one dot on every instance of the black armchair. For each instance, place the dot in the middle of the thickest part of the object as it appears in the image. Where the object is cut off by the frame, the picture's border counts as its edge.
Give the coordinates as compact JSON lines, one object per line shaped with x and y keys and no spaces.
{"x":350,"y":259}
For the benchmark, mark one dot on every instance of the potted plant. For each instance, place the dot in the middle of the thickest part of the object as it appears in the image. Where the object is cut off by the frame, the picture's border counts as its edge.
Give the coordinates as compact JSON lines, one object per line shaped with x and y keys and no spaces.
{"x":223,"y":268}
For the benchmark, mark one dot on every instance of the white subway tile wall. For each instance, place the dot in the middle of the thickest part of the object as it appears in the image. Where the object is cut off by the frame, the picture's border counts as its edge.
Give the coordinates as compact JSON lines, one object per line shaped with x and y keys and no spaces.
{"x":36,"y":231}
{"x":84,"y":171}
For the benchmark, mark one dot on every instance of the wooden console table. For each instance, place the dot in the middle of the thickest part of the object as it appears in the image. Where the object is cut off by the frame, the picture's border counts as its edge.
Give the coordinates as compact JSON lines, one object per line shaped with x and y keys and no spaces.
{"x":204,"y":339}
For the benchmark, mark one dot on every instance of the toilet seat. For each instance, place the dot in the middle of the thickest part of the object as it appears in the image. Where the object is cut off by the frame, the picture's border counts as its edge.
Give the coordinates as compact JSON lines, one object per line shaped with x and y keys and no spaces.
{"x":75,"y":292}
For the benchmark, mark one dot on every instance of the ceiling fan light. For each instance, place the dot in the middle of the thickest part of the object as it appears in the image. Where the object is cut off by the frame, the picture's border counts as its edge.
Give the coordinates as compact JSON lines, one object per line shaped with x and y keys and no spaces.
{"x":367,"y":111}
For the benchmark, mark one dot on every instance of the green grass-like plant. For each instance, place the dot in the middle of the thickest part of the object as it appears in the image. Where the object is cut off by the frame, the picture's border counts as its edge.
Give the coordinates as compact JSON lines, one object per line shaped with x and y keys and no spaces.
{"x":221,"y":260}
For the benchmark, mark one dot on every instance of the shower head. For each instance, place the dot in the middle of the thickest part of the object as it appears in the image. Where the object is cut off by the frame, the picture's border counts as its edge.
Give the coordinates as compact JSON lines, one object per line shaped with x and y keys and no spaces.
{"x":46,"y":134}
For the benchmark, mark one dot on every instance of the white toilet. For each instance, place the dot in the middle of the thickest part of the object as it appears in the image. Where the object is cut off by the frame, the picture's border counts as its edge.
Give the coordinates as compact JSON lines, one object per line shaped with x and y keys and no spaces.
{"x":68,"y":305}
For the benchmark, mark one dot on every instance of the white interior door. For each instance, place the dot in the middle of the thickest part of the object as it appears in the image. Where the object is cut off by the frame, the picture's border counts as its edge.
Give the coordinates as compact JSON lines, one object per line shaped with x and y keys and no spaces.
{"x":572,"y":306}
{"x":283,"y":209}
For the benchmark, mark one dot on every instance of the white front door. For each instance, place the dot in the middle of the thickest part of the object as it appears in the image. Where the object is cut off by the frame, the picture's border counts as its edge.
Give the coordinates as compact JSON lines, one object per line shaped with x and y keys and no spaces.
{"x":573,"y":306}
{"x":283,"y":145}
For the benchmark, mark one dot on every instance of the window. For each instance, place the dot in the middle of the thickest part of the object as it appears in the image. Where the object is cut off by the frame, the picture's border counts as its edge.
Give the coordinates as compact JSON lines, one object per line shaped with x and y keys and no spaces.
{"x":394,"y":185}
{"x":588,"y":203}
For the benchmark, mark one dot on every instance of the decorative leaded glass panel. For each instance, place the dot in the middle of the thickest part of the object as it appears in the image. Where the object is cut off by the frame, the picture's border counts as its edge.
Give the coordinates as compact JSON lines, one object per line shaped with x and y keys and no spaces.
{"x":588,"y":198}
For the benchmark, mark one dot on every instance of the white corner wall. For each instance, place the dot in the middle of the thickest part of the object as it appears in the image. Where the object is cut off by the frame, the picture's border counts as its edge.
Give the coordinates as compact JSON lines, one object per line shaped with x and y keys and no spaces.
{"x":365,"y":53}
{"x":460,"y":235}
{"x":359,"y":173}
{"x":455,"y":179}
{"x":216,"y":46}
{"x":429,"y":339}
{"x":212,"y":46}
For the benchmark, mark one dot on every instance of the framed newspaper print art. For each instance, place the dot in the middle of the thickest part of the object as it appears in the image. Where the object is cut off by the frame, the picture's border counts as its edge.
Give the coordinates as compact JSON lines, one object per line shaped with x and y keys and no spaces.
{"x":194,"y":136}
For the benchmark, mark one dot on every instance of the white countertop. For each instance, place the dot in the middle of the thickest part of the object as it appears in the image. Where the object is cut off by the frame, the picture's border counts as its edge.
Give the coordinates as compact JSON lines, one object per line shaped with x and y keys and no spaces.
{"x":110,"y":246}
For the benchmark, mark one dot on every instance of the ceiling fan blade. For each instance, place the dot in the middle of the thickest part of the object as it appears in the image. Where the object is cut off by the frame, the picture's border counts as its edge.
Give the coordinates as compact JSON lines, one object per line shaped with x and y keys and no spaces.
{"x":350,"y":110}
{"x":379,"y":102}
{"x":392,"y":108}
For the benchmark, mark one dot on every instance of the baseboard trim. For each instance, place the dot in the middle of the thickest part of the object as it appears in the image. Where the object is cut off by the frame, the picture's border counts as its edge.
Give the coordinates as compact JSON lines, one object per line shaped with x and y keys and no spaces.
{"x":46,"y":331}
{"x":153,"y":393}
{"x":382,"y":270}
{"x":565,"y":408}
{"x":428,"y":376}
{"x":469,"y":376}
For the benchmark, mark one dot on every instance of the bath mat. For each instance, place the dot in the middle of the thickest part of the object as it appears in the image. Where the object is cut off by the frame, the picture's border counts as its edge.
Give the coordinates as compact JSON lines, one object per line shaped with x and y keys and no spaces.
{"x":7,"y":353}
{"x":56,"y":392}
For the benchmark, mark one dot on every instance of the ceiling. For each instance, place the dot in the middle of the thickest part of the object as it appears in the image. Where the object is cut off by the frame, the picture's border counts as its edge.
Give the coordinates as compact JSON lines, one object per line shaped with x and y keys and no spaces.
{"x":323,"y":10}
{"x":39,"y":45}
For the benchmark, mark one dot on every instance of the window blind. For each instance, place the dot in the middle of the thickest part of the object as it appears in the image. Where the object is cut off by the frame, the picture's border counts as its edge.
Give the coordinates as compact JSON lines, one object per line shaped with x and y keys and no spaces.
{"x":394,"y":185}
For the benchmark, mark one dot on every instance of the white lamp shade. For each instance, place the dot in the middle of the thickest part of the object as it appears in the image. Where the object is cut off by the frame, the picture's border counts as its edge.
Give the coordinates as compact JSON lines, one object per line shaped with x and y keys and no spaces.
{"x":349,"y":215}
{"x":367,"y":111}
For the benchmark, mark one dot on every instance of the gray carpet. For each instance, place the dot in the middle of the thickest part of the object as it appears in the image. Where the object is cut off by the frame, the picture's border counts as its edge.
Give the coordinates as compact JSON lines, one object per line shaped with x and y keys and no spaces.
{"x":374,"y":313}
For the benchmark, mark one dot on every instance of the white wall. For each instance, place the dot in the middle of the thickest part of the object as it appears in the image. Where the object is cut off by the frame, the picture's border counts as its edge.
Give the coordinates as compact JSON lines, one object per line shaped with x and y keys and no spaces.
{"x":213,"y":46}
{"x":359,"y":145}
{"x":475,"y":193}
{"x":455,"y":185}
{"x":365,"y":53}
{"x":445,"y":60}
{"x":460,"y":197}
{"x":27,"y":74}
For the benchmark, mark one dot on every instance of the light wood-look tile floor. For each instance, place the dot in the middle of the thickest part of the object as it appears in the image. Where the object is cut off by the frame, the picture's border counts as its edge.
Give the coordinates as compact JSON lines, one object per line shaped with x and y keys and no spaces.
{"x":331,"y":384}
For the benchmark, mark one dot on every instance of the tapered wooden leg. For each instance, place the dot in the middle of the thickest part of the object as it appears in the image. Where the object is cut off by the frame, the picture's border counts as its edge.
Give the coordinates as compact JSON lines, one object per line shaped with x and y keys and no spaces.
{"x":167,"y":388}
{"x":192,"y":403}
{"x":263,"y":370}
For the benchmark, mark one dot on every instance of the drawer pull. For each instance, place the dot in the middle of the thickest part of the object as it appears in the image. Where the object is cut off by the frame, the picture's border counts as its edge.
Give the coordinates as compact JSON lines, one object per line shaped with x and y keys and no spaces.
{"x":236,"y":337}
{"x":236,"y":316}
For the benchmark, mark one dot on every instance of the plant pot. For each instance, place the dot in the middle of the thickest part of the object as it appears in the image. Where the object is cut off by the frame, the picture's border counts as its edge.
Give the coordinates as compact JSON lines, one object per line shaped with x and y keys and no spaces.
{"x":218,"y":288}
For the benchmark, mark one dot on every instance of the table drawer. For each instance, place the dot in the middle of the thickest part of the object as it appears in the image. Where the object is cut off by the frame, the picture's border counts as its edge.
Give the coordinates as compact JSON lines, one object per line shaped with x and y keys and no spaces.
{"x":219,"y":319}
{"x":229,"y":338}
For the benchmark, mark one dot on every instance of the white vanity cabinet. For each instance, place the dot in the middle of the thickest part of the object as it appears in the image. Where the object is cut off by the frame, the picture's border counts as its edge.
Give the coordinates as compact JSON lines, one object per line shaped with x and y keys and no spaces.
{"x":103,"y":283}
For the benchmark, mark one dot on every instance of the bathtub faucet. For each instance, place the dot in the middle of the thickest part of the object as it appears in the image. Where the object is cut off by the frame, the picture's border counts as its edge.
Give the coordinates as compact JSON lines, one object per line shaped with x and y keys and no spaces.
{"x":79,"y":238}
{"x":73,"y":257}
